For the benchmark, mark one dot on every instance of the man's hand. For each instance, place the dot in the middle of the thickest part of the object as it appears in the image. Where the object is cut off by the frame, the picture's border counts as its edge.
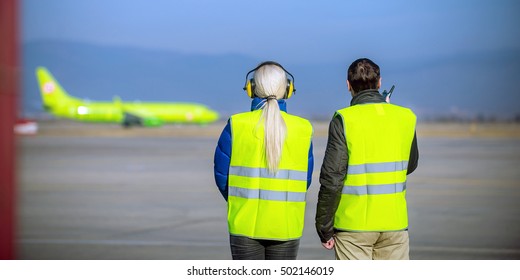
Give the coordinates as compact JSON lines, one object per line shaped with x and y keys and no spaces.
{"x":329,"y":244}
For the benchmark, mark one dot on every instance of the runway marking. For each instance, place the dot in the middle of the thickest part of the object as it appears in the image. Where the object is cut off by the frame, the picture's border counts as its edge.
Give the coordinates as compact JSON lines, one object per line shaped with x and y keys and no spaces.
{"x":464,"y":250}
{"x":120,"y":242}
{"x":464,"y":181}
{"x":225,"y":244}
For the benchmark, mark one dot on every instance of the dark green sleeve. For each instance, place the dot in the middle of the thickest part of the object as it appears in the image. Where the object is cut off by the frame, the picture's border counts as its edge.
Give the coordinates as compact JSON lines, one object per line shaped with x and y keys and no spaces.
{"x":332,"y":175}
{"x":414,"y":156}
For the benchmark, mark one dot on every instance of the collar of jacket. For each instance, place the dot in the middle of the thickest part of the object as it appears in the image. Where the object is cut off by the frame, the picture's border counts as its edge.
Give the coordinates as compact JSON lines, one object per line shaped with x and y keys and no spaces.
{"x":259,"y":102}
{"x":367,"y":96}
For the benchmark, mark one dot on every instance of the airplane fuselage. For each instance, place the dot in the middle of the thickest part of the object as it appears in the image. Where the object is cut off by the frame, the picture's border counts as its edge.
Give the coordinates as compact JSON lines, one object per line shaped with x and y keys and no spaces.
{"x":60,"y":104}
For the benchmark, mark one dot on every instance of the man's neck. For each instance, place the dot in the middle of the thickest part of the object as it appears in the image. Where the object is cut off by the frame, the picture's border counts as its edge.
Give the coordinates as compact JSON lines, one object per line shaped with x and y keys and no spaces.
{"x":367,"y":96}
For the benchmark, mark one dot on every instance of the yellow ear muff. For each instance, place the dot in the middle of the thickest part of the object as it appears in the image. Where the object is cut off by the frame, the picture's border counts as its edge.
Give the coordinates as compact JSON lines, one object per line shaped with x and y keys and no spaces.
{"x":249,"y":89}
{"x":290,"y":89}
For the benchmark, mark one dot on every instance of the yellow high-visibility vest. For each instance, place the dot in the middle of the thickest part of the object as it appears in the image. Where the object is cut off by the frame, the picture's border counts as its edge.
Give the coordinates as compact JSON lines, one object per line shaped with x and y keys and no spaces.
{"x":261,"y":204}
{"x":379,"y":138}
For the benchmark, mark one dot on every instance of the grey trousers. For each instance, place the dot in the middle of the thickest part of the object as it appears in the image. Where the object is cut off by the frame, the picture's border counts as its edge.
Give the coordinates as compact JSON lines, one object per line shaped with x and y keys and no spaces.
{"x":372,"y":245}
{"x":245,"y":248}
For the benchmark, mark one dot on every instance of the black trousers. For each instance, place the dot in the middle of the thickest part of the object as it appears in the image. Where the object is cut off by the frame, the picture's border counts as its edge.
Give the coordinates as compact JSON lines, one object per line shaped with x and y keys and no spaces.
{"x":245,"y":248}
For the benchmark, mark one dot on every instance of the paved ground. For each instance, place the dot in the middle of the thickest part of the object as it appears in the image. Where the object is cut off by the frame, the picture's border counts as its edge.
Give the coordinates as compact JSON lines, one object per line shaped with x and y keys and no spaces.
{"x":97,"y":192}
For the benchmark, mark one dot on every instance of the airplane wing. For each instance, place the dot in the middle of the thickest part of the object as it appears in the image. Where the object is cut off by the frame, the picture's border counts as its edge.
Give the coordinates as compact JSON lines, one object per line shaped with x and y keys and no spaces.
{"x":140,"y":117}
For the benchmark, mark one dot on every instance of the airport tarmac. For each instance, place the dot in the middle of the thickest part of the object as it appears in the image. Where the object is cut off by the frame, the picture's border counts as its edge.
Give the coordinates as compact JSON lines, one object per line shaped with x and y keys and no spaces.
{"x":102,"y":192}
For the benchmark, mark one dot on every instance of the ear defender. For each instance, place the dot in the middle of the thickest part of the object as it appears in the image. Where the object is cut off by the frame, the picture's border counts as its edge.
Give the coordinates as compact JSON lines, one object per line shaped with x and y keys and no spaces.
{"x":290,"y":89}
{"x":249,"y":87}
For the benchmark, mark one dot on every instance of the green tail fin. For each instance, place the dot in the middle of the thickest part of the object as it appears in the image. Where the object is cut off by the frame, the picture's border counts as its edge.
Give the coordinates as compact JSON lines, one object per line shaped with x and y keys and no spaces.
{"x":53,"y":95}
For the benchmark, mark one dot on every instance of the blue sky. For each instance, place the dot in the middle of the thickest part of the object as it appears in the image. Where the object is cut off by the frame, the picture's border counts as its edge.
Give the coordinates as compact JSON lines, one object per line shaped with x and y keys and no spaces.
{"x":457,"y":51}
{"x":285,"y":30}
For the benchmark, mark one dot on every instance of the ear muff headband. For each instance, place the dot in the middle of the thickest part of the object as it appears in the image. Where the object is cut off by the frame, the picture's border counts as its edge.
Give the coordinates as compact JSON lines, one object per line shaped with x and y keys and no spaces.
{"x":249,"y":86}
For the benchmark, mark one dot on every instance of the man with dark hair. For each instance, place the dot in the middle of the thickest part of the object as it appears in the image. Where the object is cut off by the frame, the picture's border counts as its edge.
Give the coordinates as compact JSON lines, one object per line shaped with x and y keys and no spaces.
{"x":372,"y":147}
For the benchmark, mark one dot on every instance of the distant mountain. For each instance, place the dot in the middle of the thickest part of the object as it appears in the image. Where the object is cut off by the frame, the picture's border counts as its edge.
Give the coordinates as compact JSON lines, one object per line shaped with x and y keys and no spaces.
{"x":468,"y":84}
{"x":99,"y":73}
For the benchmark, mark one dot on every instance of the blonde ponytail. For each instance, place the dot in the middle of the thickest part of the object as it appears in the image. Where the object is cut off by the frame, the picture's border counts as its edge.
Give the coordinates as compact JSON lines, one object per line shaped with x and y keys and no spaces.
{"x":275,"y":130}
{"x":271,"y":82}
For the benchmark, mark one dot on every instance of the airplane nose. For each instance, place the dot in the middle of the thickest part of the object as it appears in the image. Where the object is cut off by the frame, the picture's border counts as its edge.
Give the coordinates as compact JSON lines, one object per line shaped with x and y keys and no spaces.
{"x":212,"y":116}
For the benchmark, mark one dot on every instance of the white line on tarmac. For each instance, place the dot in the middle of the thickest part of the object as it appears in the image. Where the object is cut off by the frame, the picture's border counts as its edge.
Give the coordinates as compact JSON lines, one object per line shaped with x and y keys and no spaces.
{"x":464,"y":250}
{"x":119,"y":242}
{"x":225,"y":243}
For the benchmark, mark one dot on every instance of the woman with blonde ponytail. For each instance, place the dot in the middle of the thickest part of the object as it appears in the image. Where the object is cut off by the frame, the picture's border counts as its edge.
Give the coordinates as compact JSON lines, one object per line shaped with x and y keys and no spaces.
{"x":263,"y":168}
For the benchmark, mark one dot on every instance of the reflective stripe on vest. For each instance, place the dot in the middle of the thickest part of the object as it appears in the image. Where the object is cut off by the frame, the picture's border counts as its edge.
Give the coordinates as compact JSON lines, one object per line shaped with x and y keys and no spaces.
{"x":267,"y":195}
{"x":262,"y":204}
{"x":264,"y":173}
{"x":377,"y":167}
{"x":379,"y":138}
{"x":374,"y":189}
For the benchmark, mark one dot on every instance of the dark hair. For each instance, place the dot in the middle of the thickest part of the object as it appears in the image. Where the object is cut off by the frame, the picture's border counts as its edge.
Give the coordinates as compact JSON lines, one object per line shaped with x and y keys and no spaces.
{"x":363,"y":74}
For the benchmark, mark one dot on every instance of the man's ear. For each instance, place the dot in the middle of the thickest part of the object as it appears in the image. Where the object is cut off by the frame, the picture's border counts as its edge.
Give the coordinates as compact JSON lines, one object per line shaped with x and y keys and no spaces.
{"x":379,"y":83}
{"x":350,"y":89}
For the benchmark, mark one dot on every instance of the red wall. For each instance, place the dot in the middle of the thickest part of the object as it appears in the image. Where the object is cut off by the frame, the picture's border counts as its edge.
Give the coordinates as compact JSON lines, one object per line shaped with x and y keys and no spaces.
{"x":9,"y":92}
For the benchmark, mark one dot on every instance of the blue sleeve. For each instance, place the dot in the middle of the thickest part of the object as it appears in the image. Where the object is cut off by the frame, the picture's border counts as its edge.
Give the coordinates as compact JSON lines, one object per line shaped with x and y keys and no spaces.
{"x":222,"y":160}
{"x":311,"y":167}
